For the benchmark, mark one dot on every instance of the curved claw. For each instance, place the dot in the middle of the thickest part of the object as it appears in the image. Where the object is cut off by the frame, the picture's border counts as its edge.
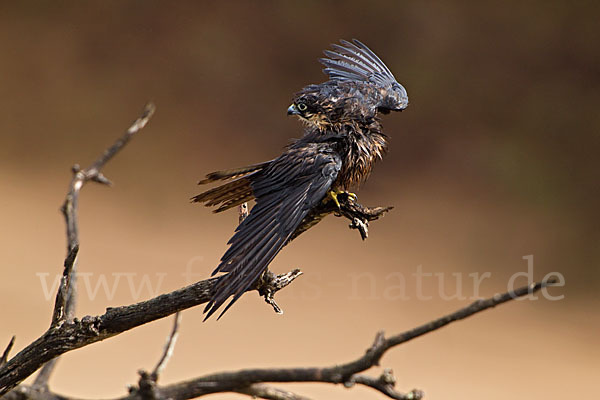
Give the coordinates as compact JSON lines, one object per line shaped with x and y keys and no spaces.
{"x":351,"y":195}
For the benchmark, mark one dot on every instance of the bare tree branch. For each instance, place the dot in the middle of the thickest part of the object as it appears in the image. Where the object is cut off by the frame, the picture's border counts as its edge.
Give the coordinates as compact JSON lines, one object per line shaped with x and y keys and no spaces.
{"x":64,"y":308}
{"x":78,"y":333}
{"x":347,"y":374}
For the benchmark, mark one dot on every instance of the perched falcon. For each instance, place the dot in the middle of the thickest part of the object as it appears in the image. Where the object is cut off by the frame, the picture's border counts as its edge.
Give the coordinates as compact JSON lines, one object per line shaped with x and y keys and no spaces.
{"x":343,"y":138}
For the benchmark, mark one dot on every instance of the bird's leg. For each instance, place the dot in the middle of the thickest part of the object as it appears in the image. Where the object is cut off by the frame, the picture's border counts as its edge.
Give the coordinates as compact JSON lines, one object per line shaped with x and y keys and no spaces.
{"x":333,"y":195}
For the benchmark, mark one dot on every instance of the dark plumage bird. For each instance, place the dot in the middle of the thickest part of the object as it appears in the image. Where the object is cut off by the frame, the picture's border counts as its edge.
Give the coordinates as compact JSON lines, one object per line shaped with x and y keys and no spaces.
{"x":342,"y":140}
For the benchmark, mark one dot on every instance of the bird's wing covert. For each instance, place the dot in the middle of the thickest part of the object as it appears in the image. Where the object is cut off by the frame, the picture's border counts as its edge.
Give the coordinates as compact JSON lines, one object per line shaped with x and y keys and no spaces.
{"x":285,"y":192}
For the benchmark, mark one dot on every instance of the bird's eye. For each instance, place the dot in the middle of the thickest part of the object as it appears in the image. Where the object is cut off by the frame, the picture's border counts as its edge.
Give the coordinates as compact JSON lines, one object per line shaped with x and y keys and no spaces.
{"x":301,"y":106}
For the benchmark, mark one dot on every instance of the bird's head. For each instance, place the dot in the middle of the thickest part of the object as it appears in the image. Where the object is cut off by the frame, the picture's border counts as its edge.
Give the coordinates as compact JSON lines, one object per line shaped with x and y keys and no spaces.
{"x":311,"y":107}
{"x":393,"y":98}
{"x":304,"y":106}
{"x":360,"y":86}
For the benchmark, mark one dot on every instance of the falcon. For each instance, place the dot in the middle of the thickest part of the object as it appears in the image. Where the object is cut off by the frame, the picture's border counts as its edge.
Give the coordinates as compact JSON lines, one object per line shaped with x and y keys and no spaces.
{"x":343,"y":138}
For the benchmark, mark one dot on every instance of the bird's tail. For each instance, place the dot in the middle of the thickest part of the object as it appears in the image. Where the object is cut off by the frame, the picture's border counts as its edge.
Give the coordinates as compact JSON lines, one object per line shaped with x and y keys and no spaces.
{"x":232,"y":173}
{"x":232,"y":193}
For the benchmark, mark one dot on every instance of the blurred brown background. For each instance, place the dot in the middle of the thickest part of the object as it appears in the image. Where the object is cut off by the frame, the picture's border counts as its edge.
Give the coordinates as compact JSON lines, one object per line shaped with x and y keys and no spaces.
{"x":495,"y":159}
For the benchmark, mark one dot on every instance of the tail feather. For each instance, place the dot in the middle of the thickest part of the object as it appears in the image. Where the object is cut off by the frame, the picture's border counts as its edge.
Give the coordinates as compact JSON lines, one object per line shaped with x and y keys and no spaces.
{"x":230,"y":194}
{"x":224,"y":192}
{"x":226,"y":196}
{"x":232,"y":173}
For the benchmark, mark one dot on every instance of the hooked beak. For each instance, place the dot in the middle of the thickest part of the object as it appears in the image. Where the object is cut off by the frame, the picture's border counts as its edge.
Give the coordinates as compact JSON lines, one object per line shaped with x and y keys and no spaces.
{"x":292,"y":110}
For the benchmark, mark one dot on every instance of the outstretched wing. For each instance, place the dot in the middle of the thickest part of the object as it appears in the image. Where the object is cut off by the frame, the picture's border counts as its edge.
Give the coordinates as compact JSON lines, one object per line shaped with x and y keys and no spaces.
{"x":356,"y":62}
{"x":285,"y":192}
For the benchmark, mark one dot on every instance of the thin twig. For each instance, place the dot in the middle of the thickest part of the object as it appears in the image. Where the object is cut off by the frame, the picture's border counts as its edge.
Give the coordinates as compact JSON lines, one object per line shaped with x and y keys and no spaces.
{"x":146,"y":388}
{"x":7,"y":351}
{"x":242,"y":212}
{"x":93,"y":173}
{"x":384,"y":384}
{"x":64,"y":308}
{"x":169,"y":346}
{"x":270,"y":393}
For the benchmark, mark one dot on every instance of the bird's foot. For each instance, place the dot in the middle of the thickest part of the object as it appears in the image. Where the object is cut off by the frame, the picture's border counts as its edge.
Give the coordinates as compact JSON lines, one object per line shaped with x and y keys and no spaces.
{"x":351,"y":195}
{"x":333,"y":195}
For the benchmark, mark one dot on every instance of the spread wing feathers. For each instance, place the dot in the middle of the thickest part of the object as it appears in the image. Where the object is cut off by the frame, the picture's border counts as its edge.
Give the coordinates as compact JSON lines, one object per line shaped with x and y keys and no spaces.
{"x":356,"y":62}
{"x":285,"y":193}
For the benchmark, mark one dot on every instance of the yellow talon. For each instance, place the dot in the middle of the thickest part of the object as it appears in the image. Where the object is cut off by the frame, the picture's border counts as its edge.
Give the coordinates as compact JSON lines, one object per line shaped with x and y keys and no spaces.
{"x":333,"y":194}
